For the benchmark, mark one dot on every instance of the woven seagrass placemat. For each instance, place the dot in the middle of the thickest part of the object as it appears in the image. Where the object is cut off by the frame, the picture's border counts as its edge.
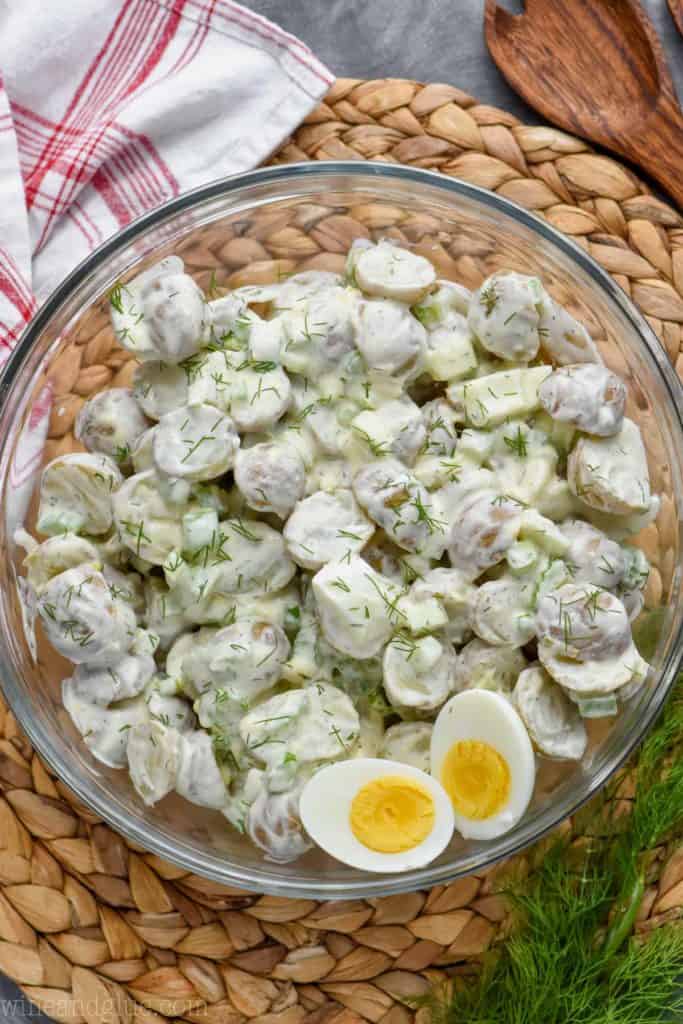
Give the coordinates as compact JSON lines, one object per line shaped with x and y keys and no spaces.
{"x":96,"y":930}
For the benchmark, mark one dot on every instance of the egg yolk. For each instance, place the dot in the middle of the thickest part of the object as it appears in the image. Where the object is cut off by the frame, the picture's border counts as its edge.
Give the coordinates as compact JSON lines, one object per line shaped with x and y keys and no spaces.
{"x":392,"y":814}
{"x":477,"y":779}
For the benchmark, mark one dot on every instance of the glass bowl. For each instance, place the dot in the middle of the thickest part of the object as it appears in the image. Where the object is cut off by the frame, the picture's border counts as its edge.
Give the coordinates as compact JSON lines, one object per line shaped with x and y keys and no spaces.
{"x":256,"y":227}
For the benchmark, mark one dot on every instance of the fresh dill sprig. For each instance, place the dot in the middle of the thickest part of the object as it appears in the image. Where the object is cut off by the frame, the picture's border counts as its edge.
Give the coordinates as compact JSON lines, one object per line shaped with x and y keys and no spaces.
{"x":212,"y":291}
{"x":393,"y":611}
{"x":115,"y":296}
{"x":408,"y":572}
{"x":242,"y":530}
{"x":349,"y":535}
{"x":404,"y":642}
{"x":488,"y":298}
{"x":257,"y":365}
{"x":212,"y":553}
{"x":452,"y":469}
{"x":192,"y":446}
{"x":136,"y":530}
{"x":193,"y":366}
{"x":423,"y":515}
{"x":517,"y":443}
{"x":122,"y":452}
{"x":604,"y":565}
{"x":309,"y":334}
{"x":378,"y":448}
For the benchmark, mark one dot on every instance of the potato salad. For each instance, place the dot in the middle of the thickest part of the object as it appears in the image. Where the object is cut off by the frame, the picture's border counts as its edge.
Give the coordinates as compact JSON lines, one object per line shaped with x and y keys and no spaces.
{"x":351,"y":554}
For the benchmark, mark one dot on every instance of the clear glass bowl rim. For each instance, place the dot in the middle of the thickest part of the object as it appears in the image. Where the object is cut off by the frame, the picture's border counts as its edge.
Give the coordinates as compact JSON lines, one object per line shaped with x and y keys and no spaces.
{"x":213,"y":866}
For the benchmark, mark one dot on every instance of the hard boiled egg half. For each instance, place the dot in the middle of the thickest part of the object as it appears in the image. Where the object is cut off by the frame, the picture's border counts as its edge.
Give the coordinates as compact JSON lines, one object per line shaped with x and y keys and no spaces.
{"x":482,"y":756}
{"x":377,"y":815}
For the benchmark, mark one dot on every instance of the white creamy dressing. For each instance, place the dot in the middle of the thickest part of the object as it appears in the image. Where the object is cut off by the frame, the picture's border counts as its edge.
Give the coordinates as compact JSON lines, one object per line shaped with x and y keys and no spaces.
{"x":300,"y":533}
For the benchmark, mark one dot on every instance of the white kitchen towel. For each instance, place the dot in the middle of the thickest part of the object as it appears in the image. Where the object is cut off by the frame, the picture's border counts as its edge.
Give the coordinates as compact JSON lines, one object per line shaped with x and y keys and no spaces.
{"x":110,"y":107}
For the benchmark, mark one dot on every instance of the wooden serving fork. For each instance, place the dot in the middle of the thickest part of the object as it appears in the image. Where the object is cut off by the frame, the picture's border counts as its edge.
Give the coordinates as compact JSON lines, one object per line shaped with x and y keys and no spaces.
{"x":676,"y":8}
{"x":595,"y":68}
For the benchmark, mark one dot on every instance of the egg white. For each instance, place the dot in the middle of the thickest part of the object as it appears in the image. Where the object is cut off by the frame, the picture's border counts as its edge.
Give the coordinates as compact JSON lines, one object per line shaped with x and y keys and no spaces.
{"x":487,"y":716}
{"x":325,"y":811}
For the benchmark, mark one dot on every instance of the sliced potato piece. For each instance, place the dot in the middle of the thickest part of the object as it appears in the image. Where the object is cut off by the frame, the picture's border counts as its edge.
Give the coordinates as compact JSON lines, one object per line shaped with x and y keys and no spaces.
{"x":271,"y":476}
{"x":325,"y":528}
{"x":390,"y":339}
{"x":391,"y":272}
{"x":198,"y":777}
{"x":55,"y":555}
{"x":195,"y":442}
{"x":504,"y":316}
{"x":563,"y":339}
{"x":320,"y":333}
{"x":595,"y":676}
{"x":76,"y":494}
{"x":409,"y":743}
{"x":552,"y":721}
{"x":242,"y":661}
{"x":395,"y":428}
{"x":588,"y":396}
{"x":83,"y":621}
{"x":399,"y":503}
{"x":502,"y":612}
{"x":104,"y":686}
{"x":272,"y":821}
{"x":485,"y":525}
{"x":482,"y":666}
{"x":246,"y":558}
{"x":583,"y":622}
{"x":160,"y":388}
{"x":153,"y":754}
{"x":292,"y":290}
{"x":255,"y":393}
{"x":316,"y":723}
{"x":593,"y":557}
{"x":260,"y":395}
{"x":160,"y":314}
{"x":610,"y":474}
{"x":111,"y":422}
{"x":104,"y":730}
{"x":149,"y":525}
{"x":418,"y":674}
{"x":619,"y":527}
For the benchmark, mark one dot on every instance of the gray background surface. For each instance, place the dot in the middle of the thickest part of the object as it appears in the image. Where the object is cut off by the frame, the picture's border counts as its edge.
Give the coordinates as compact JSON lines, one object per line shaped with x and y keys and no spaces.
{"x":429,"y":40}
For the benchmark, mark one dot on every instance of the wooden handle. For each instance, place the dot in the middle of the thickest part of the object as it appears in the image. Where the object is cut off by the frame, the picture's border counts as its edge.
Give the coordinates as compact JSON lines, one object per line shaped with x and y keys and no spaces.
{"x":676,"y":8}
{"x":659,"y":148}
{"x":595,"y":68}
